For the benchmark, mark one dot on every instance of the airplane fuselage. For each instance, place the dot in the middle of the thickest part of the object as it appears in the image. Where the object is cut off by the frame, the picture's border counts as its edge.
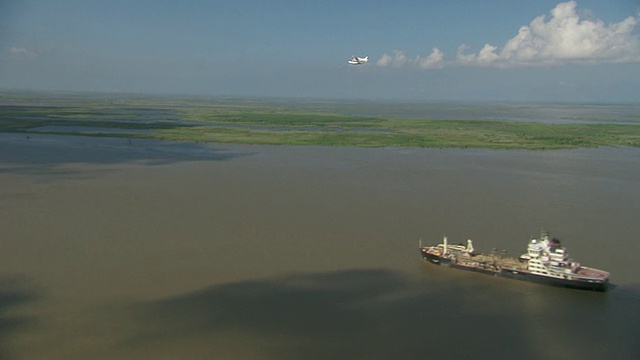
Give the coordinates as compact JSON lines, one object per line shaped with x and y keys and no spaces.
{"x":358,"y":60}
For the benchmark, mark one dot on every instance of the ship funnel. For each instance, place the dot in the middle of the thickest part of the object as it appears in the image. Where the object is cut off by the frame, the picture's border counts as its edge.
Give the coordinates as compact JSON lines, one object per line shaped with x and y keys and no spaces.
{"x":444,"y":245}
{"x":469,"y":246}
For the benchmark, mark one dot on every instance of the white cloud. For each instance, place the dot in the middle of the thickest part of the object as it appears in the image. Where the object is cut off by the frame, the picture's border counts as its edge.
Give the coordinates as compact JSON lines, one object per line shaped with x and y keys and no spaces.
{"x":562,"y":37}
{"x":565,"y":37}
{"x":20,"y":53}
{"x":433,"y":61}
{"x":399,"y":59}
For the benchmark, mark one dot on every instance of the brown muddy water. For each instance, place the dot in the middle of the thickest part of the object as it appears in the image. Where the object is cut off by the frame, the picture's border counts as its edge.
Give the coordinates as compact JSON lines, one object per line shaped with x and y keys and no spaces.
{"x":159,"y":250}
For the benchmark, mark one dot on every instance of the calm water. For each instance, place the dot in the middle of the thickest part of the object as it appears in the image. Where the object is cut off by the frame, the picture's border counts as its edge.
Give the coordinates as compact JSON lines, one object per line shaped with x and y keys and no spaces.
{"x":167,"y":250}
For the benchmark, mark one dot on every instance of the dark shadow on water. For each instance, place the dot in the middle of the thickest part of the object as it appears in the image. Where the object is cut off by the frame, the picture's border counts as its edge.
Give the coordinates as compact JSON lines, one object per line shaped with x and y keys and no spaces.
{"x":382,"y":314}
{"x":45,"y":154}
{"x":14,"y":293}
{"x":372,"y":314}
{"x":354,"y":314}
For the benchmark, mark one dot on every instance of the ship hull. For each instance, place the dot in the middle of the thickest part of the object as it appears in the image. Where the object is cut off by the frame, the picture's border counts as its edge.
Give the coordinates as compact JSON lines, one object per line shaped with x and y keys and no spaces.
{"x":547,"y":280}
{"x":520,"y":275}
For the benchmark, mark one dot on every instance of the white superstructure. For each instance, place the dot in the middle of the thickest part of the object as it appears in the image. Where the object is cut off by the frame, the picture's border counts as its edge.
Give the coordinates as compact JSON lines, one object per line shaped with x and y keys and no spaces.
{"x":547,"y":257}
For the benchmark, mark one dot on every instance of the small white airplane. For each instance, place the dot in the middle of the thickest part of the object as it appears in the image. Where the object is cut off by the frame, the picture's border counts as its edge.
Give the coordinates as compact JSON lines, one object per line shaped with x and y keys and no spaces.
{"x":358,"y":60}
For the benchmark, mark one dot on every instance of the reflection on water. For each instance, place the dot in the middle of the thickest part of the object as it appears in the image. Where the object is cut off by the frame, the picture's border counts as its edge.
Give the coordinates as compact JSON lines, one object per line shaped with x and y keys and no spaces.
{"x":166,"y":250}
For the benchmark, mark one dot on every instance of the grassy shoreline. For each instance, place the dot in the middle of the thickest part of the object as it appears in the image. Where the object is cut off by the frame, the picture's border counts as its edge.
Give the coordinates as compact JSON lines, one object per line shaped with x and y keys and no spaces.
{"x":255,"y":121}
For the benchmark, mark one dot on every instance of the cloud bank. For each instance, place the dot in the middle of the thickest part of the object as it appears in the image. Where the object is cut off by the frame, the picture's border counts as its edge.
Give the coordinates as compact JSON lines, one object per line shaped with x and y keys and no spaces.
{"x":399,"y":59}
{"x":562,"y":38}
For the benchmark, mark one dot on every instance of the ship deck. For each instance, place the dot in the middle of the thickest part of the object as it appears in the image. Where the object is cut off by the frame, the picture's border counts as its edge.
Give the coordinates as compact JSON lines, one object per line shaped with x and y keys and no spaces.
{"x":494,"y":264}
{"x":592,"y":273}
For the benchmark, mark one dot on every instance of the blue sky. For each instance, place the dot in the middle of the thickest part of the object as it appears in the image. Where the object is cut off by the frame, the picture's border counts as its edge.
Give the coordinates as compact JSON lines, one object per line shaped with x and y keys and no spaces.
{"x":502,"y":50}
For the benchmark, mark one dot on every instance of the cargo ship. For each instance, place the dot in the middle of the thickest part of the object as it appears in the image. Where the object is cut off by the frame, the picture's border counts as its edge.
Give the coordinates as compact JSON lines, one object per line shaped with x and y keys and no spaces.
{"x":546,"y":261}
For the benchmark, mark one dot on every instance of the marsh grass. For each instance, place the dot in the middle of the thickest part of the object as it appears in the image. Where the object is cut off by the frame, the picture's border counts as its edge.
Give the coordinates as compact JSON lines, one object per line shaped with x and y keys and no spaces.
{"x":256,"y":121}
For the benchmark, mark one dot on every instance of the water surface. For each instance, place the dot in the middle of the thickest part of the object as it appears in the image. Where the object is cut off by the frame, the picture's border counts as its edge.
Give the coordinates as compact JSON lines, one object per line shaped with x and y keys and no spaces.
{"x":118,"y":250}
